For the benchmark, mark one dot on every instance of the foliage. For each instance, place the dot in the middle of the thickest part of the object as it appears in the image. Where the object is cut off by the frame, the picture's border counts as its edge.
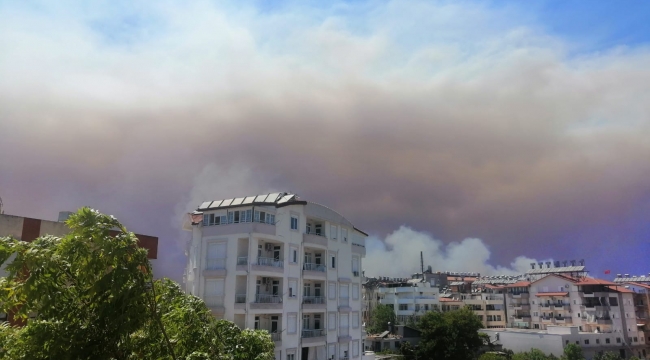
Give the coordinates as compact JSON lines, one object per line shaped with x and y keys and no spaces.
{"x":573,"y":352}
{"x":93,"y":297}
{"x":381,"y":316}
{"x":450,"y":335}
{"x":533,"y":354}
{"x":491,"y":356}
{"x":608,"y":356}
{"x":407,"y":350}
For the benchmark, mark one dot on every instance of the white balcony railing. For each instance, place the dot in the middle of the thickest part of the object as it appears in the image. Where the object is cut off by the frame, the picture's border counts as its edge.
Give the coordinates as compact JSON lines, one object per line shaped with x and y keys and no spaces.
{"x":240,"y":298}
{"x":314,"y":267}
{"x":268,"y":299}
{"x":270,"y":262}
{"x":216,"y":264}
{"x":313,"y":300}
{"x":310,"y":333}
{"x":242,"y":260}
{"x":275,"y":336}
{"x":213,"y":300}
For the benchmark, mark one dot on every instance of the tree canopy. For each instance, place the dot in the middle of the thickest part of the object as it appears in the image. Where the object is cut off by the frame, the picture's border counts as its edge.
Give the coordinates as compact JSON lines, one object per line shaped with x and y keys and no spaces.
{"x":381,"y":316}
{"x":90,"y":295}
{"x":450,"y":335}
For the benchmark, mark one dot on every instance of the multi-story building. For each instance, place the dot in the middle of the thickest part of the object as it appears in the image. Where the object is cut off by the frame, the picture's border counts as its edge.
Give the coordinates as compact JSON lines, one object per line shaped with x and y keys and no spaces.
{"x":282,"y":264}
{"x":28,"y":229}
{"x":411,"y":301}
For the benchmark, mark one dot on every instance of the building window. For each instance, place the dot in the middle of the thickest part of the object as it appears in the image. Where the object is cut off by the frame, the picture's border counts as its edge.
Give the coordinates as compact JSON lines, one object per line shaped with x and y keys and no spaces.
{"x":597,"y":341}
{"x":613,"y":301}
{"x":344,"y":235}
{"x":292,"y":288}
{"x":403,"y":307}
{"x":606,"y":340}
{"x":292,"y":321}
{"x":333,"y":261}
{"x":291,"y":356}
{"x":355,"y":292}
{"x":333,"y":232}
{"x":331,"y":321}
{"x":635,"y":339}
{"x":294,"y":223}
{"x":566,"y":342}
{"x":331,"y":291}
{"x":586,"y":342}
{"x":618,"y":340}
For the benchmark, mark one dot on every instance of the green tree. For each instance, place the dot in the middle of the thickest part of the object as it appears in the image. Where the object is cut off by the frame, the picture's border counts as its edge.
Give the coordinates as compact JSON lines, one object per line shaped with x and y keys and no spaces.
{"x":407,"y":350}
{"x":491,"y":356}
{"x":608,"y":356}
{"x":450,"y":335}
{"x":573,"y":352}
{"x":91,"y":295}
{"x":533,"y":354}
{"x":381,"y":316}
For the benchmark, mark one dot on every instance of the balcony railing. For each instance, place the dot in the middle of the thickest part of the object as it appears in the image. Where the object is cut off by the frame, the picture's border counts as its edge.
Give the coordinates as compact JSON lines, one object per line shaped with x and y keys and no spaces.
{"x":242,"y":260}
{"x":268,"y":299}
{"x":213,"y":300}
{"x":270,"y":262}
{"x":310,"y":333}
{"x":313,"y":300}
{"x":216,"y":264}
{"x":313,"y":232}
{"x":343,"y":301}
{"x":240,"y":298}
{"x":314,"y":267}
{"x":275,"y":336}
{"x":344,"y":331}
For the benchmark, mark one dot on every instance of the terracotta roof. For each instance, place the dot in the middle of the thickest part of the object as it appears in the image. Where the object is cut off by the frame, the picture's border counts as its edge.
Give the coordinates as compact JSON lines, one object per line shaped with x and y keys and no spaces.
{"x":620,"y":289}
{"x":563,"y":277}
{"x":448,"y":300}
{"x":645,"y":286}
{"x":594,"y":281}
{"x":490,"y":286}
{"x":519,"y":284}
{"x":552,"y":294}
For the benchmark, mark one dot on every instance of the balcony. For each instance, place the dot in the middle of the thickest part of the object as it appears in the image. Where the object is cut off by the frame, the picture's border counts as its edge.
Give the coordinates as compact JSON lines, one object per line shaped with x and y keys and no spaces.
{"x":314,"y":302}
{"x":313,"y":336}
{"x":242,"y":263}
{"x":239,"y":228}
{"x":267,"y":301}
{"x":311,"y":270}
{"x":269,"y":264}
{"x":548,"y":320}
{"x":519,"y":295}
{"x":240,"y":301}
{"x":215,"y":268}
{"x":276,"y":336}
{"x":315,"y":239}
{"x":545,"y":306}
{"x":563,"y":320}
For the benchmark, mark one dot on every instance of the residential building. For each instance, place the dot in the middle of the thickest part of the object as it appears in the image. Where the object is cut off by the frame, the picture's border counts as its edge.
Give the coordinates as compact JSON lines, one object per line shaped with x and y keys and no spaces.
{"x":28,"y":229}
{"x":282,"y":264}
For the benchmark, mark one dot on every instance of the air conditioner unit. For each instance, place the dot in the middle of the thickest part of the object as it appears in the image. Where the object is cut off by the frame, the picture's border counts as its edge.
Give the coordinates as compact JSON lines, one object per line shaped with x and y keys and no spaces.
{"x":268,"y":247}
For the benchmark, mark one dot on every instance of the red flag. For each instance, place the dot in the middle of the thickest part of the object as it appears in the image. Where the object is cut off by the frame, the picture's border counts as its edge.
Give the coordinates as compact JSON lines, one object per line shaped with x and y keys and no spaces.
{"x":607,"y":271}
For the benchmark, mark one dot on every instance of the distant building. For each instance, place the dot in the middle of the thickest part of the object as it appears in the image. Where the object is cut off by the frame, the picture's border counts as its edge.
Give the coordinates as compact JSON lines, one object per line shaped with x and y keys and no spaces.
{"x":282,"y":264}
{"x":28,"y":229}
{"x":392,"y":339}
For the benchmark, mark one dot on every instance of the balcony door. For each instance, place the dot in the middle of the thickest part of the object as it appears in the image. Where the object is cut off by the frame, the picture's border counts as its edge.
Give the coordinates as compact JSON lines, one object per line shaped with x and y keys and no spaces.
{"x":274,"y":324}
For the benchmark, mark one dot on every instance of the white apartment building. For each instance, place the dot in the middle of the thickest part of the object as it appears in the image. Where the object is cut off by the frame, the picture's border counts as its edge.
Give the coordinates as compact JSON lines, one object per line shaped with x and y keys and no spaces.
{"x":410,"y":302}
{"x":282,"y":264}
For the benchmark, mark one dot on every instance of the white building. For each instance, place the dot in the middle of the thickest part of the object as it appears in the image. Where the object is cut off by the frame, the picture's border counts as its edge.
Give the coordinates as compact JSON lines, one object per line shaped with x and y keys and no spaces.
{"x":410,"y":302}
{"x":282,"y":264}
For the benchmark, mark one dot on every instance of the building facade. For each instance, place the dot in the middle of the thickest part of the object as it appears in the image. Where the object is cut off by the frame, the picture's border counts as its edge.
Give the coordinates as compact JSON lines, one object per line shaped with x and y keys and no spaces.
{"x":281,"y":264}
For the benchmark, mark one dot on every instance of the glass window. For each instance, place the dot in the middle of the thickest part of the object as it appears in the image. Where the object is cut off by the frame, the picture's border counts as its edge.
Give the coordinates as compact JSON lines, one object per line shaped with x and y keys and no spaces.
{"x":294,"y":223}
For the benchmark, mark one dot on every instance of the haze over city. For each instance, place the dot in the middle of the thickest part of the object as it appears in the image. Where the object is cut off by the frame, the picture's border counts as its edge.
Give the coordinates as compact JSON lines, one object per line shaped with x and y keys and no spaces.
{"x":486,"y":135}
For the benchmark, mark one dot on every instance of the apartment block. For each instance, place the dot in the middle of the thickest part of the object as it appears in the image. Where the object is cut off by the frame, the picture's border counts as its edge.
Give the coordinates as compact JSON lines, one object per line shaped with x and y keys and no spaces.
{"x":282,"y":264}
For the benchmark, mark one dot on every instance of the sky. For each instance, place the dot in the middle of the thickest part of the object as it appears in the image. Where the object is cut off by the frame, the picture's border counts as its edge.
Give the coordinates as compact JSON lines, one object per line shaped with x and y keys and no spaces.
{"x":486,"y":134}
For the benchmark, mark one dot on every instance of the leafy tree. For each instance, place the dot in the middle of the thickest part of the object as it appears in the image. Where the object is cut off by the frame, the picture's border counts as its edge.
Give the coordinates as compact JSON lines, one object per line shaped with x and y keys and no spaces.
{"x":491,"y":356}
{"x":573,"y":352}
{"x":381,"y":316}
{"x":407,"y":350}
{"x":533,"y":354}
{"x":608,"y":356}
{"x":92,"y":296}
{"x":450,"y":335}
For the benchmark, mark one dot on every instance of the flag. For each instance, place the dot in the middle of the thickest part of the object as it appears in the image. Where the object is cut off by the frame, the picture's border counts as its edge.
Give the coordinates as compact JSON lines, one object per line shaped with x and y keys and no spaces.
{"x":607,"y":271}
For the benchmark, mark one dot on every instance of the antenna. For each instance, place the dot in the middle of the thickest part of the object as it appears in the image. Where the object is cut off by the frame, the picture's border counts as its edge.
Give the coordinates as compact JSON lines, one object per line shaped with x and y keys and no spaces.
{"x":422,"y":263}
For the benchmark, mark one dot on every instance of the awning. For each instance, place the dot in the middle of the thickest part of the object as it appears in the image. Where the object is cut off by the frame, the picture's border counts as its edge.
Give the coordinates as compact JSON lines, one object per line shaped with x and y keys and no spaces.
{"x":553,"y":294}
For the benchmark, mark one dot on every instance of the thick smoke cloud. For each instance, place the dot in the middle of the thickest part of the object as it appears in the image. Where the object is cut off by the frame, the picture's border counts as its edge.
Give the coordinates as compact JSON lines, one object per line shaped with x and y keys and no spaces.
{"x":402,"y":248}
{"x":393,"y":113}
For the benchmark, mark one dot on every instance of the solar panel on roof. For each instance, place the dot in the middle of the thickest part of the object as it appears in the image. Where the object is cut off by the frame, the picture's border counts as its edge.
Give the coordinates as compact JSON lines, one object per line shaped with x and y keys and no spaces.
{"x":286,"y":198}
{"x":260,"y":198}
{"x":226,"y":202}
{"x":237,"y":201}
{"x":249,"y":199}
{"x":216,"y":204}
{"x":205,"y":205}
{"x":272,"y":198}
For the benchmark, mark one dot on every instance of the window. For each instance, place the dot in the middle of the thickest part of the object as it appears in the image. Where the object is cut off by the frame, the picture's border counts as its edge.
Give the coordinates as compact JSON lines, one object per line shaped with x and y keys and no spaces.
{"x":606,"y":340}
{"x":597,"y":341}
{"x":355,"y":320}
{"x":355,"y":292}
{"x":333,"y":232}
{"x":618,"y":340}
{"x":635,"y":339}
{"x":292,"y":323}
{"x":613,"y":301}
{"x":403,"y":307}
{"x":292,"y":288}
{"x":294,"y":223}
{"x":331,"y":321}
{"x":586,"y":342}
{"x":333,"y":261}
{"x":566,"y":342}
{"x":257,"y":323}
{"x":355,"y":348}
{"x":344,"y":235}
{"x":294,"y":255}
{"x":331,"y":290}
{"x":291,"y":356}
